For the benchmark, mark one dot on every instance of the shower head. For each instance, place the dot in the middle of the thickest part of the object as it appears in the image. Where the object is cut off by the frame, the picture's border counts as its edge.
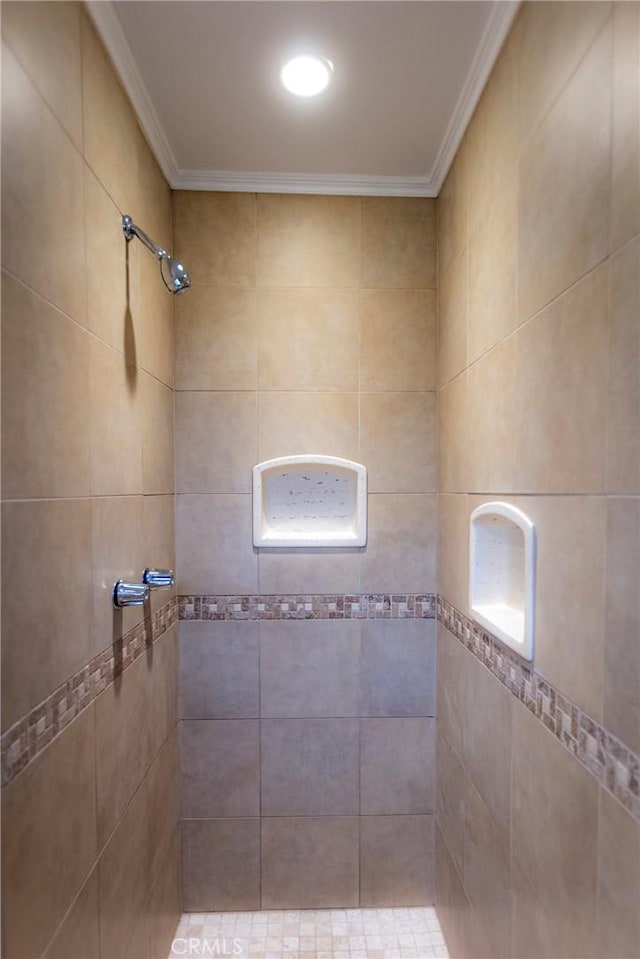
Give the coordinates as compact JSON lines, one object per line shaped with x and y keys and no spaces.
{"x":174,"y":276}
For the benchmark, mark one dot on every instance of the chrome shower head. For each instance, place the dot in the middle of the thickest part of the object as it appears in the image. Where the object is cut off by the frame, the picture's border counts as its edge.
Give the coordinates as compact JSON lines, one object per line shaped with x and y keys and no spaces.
{"x":174,"y":276}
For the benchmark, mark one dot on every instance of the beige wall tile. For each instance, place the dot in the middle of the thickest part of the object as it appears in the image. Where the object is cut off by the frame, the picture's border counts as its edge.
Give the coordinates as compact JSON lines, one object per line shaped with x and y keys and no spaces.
{"x":296,"y":423}
{"x":124,"y":879}
{"x":565,"y":184}
{"x":116,"y":438}
{"x":397,"y":668}
{"x":533,"y":936}
{"x":235,"y":845}
{"x":46,"y":39}
{"x":110,"y":268}
{"x":487,"y":873}
{"x":398,"y":441}
{"x":453,"y":204}
{"x":621,"y":706}
{"x":554,"y":842}
{"x":562,"y":383}
{"x":555,"y":38}
{"x":570,"y":534}
{"x":618,"y":880}
{"x":487,"y":742}
{"x":308,"y":241}
{"x":291,"y":879}
{"x":151,"y":315}
{"x":453,"y":905}
{"x":453,"y":453}
{"x":398,"y":243}
{"x":163,"y":804}
{"x":122,"y":745}
{"x":216,"y":236}
{"x":110,"y":127}
{"x":216,"y":442}
{"x":216,"y":339}
{"x":214,"y":544}
{"x":159,"y":539}
{"x":397,"y":766}
{"x":625,"y":153}
{"x":452,"y":790}
{"x":452,"y":339}
{"x":396,"y":861}
{"x":492,"y":136}
{"x":165,"y":904}
{"x":401,"y":546}
{"x":397,"y":339}
{"x":450,"y":687}
{"x":48,"y":810}
{"x":309,"y":571}
{"x":45,"y":378}
{"x":623,"y":407}
{"x":79,"y":934}
{"x":492,"y":391}
{"x":42,"y":196}
{"x":220,"y":764}
{"x":219,"y":670}
{"x":46,"y":631}
{"x":453,"y":550}
{"x":307,"y":340}
{"x":163,"y":712}
{"x":492,"y":312}
{"x":156,"y":414}
{"x":117,"y":553}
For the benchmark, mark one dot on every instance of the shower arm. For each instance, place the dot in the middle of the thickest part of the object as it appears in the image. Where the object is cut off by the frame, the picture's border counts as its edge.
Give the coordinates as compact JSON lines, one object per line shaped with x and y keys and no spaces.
{"x":131,"y":230}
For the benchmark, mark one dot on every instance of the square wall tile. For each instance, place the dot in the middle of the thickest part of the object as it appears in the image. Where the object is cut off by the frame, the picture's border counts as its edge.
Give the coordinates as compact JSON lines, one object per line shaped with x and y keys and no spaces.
{"x":450,"y":686}
{"x":78,"y":936}
{"x":308,"y":571}
{"x":156,"y":415}
{"x":618,"y":879}
{"x":397,"y":339}
{"x":451,"y":797}
{"x":308,"y":340}
{"x":453,"y":296}
{"x":214,"y":545}
{"x":400,"y":552}
{"x":295,"y":423}
{"x":397,"y":766}
{"x":309,"y":669}
{"x":45,"y":380}
{"x":215,"y":235}
{"x":216,"y":339}
{"x":398,"y":243}
{"x":216,"y":441}
{"x":397,"y":668}
{"x":310,"y":863}
{"x":397,"y":861}
{"x":310,"y":767}
{"x":221,"y":864}
{"x":219,"y":665}
{"x":220,"y":768}
{"x":308,"y":241}
{"x":625,"y":152}
{"x":398,"y":441}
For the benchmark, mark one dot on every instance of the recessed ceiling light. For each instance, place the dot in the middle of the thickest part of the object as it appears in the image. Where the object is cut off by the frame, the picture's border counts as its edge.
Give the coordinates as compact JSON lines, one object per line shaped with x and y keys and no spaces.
{"x":306,"y":76}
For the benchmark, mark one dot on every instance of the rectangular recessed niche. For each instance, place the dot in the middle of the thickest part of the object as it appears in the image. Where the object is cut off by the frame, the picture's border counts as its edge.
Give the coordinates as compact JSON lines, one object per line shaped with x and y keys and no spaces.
{"x":502,"y":574}
{"x":309,"y":501}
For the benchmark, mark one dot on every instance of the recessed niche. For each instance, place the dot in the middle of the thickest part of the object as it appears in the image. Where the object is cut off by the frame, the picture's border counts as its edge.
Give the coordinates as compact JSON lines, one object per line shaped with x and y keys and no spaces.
{"x":502,"y":556}
{"x":309,"y":501}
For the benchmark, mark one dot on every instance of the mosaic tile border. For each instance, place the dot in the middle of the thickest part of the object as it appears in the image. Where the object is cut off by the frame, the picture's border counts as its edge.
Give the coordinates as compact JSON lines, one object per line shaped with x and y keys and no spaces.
{"x":319,"y":606}
{"x":26,"y":739}
{"x":614,"y":765}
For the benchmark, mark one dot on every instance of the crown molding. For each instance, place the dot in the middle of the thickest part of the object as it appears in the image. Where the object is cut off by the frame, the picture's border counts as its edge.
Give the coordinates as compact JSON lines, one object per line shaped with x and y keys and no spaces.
{"x":330,"y":183}
{"x":495,"y":33}
{"x":108,"y":25}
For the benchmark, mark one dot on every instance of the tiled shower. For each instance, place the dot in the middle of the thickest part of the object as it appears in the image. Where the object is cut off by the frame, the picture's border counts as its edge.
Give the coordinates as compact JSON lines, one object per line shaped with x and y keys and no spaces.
{"x":292,"y":730}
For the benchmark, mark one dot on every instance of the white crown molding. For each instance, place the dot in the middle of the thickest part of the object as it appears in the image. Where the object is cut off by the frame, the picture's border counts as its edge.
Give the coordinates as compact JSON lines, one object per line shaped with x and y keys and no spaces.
{"x":107,"y":23}
{"x":330,"y":183}
{"x":500,"y":19}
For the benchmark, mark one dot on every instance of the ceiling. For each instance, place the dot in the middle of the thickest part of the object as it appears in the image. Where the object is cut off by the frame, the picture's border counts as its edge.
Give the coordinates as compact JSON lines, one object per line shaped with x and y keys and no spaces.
{"x":204,"y":80}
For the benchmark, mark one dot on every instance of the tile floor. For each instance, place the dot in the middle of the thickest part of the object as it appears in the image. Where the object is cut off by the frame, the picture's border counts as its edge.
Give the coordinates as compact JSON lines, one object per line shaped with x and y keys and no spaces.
{"x":409,"y":933}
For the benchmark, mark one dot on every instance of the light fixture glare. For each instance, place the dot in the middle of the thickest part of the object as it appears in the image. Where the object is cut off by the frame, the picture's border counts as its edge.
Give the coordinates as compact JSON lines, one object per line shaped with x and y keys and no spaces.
{"x":306,"y":76}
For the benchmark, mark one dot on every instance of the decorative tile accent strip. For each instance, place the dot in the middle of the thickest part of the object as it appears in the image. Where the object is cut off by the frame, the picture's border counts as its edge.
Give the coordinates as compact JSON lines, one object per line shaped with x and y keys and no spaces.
{"x":334,"y":606}
{"x":614,"y":765}
{"x":26,"y":739}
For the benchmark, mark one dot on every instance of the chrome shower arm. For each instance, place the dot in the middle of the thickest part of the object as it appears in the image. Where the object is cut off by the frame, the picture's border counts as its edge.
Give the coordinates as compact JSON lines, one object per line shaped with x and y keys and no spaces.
{"x":131,"y":230}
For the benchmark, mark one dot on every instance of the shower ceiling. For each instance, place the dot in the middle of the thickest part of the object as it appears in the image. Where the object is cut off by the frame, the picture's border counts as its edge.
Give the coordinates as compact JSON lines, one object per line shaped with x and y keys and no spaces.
{"x":204,"y":79}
